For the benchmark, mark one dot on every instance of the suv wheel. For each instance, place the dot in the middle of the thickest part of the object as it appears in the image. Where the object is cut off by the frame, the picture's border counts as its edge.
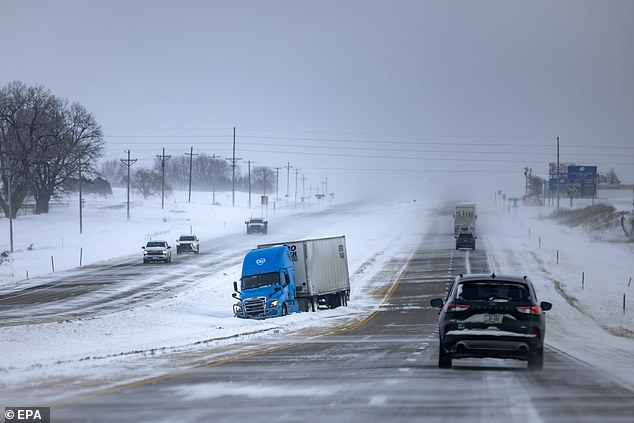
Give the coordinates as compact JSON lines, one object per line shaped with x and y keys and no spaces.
{"x":444,"y":359}
{"x":536,"y":360}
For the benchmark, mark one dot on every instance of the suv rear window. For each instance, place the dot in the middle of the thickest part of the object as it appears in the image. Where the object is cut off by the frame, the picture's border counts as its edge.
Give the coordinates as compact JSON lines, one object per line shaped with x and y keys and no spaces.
{"x":492,"y":291}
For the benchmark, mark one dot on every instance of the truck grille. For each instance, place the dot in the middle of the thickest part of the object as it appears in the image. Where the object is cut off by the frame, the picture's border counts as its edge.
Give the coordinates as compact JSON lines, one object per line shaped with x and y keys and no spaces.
{"x":254,"y":307}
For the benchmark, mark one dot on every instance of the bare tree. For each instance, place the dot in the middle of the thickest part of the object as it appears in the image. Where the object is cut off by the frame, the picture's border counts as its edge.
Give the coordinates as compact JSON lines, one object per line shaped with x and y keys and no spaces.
{"x":71,"y":146}
{"x":212,"y":171}
{"x":610,"y":178}
{"x":536,"y":185}
{"x":263,"y":177}
{"x":177,"y":169}
{"x":44,"y":143}
{"x":25,"y":113}
{"x":148,"y":182}
{"x":115,"y":172}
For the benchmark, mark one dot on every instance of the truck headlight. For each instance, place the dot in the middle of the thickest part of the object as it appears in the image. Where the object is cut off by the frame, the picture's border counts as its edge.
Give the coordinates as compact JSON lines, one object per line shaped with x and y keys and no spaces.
{"x":237,"y":309}
{"x":274,"y":304}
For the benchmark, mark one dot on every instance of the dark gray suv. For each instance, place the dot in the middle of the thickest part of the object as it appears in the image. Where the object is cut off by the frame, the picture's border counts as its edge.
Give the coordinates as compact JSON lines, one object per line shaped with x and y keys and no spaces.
{"x":465,"y":240}
{"x":486,"y":315}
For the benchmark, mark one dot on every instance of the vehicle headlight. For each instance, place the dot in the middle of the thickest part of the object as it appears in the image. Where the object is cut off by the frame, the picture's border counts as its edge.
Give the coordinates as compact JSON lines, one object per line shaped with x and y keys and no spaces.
{"x":274,"y":303}
{"x":164,"y":251}
{"x":237,"y":308}
{"x":145,"y":253}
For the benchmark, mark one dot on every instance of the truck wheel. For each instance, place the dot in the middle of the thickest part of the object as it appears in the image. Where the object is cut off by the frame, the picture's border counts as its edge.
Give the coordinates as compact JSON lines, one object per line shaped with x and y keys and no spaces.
{"x":284,"y":309}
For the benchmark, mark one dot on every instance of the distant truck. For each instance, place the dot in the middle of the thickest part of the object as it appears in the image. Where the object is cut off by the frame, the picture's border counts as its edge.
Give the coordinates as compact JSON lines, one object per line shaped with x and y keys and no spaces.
{"x":289,"y":277}
{"x":464,"y":218}
{"x":257,"y":226}
{"x":186,"y":243}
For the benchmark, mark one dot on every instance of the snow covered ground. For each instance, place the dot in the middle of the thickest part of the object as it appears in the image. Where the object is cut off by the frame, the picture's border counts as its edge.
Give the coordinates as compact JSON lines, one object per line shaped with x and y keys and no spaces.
{"x":585,"y":275}
{"x":586,"y":322}
{"x":140,"y":339}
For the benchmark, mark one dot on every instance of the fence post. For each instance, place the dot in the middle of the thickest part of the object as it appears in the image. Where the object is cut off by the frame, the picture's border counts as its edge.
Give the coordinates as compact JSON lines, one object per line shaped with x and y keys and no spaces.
{"x":52,"y":264}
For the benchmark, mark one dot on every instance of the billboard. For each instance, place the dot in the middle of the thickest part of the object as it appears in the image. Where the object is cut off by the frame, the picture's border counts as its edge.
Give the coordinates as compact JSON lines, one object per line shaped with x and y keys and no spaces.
{"x":563,"y":169}
{"x":575,"y":181}
{"x":582,"y":181}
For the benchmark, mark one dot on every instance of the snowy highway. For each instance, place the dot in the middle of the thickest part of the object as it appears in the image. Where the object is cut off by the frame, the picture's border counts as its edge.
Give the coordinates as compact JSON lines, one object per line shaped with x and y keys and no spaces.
{"x":383,"y":369}
{"x":127,"y":342}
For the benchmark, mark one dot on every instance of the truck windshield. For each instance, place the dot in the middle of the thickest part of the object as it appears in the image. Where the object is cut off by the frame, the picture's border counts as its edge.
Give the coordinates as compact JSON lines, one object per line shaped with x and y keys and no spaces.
{"x":257,"y":281}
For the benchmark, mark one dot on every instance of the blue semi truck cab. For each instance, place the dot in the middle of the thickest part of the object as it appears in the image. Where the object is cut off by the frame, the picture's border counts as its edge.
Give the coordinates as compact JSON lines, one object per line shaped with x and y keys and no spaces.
{"x":267,"y":284}
{"x":288,"y":277}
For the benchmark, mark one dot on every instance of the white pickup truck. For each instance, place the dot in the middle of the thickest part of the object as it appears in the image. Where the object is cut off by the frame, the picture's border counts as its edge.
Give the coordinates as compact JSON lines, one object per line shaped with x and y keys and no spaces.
{"x":157,"y":251}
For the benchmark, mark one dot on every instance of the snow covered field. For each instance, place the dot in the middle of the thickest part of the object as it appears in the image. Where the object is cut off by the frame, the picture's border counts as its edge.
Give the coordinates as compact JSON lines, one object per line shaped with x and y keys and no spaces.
{"x":586,"y":322}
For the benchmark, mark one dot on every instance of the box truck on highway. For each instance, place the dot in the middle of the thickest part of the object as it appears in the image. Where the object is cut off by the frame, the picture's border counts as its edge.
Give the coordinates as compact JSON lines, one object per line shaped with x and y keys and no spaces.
{"x":288,"y":277}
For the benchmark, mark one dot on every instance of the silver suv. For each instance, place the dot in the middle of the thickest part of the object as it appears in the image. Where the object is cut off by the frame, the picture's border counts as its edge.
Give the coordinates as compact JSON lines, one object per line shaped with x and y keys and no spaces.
{"x":157,"y":251}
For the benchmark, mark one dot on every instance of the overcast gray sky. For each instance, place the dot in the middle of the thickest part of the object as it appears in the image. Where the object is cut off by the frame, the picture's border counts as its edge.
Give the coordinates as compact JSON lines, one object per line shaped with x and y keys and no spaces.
{"x":428,"y":94}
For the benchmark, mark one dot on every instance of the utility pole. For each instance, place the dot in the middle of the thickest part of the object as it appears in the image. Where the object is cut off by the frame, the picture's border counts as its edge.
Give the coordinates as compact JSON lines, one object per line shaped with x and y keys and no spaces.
{"x":191,"y":159}
{"x":288,"y":172}
{"x":558,"y":175}
{"x":264,"y":192}
{"x":249,"y":163}
{"x":163,"y":158}
{"x":10,"y":201}
{"x":277,"y":182}
{"x":264,"y":182}
{"x":233,"y":161}
{"x":129,"y":162}
{"x":296,"y":172}
{"x":213,"y":179}
{"x":80,"y":202}
{"x":303,"y":187}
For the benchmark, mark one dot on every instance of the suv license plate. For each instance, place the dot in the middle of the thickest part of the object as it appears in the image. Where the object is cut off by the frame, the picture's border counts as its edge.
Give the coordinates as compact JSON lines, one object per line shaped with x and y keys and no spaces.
{"x":492,"y":319}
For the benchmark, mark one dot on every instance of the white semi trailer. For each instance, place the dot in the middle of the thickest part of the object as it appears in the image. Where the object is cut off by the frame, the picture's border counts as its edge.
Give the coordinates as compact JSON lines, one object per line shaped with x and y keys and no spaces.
{"x":464,"y":218}
{"x":321,"y":271}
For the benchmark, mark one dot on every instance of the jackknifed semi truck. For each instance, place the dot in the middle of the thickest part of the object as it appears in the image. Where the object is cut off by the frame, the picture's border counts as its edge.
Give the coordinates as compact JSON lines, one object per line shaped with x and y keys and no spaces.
{"x":289,"y":277}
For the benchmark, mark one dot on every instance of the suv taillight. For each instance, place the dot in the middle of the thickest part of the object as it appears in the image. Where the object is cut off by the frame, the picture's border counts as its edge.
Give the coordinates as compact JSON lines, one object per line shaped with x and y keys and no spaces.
{"x":528,"y":309}
{"x":449,"y":307}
